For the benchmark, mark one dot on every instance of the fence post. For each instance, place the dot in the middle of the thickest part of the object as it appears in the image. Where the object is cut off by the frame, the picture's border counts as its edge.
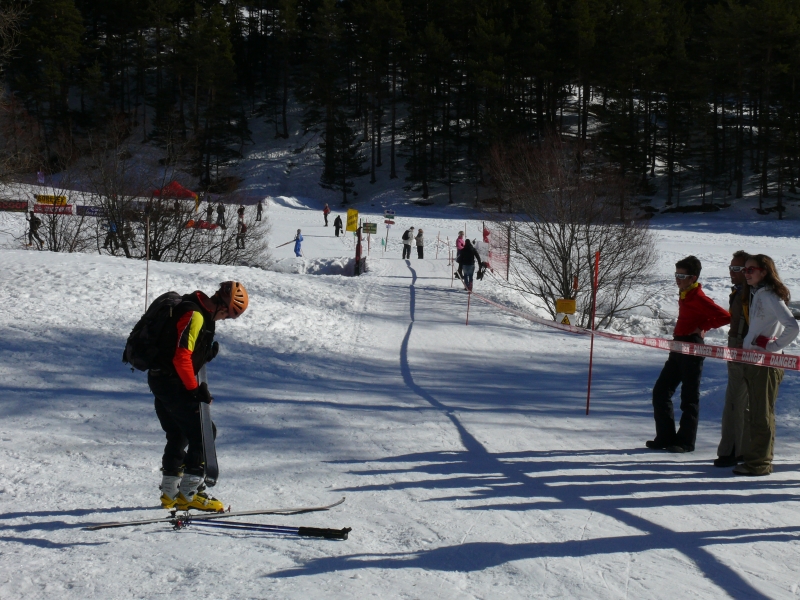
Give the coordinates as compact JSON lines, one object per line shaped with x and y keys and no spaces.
{"x":591,"y":327}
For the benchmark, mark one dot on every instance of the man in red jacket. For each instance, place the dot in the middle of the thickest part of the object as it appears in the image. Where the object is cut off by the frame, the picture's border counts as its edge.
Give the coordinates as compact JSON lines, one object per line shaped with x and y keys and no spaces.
{"x":697,"y":313}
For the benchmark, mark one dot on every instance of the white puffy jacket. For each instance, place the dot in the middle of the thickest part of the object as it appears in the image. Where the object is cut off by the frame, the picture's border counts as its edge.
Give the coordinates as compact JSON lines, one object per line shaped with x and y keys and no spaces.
{"x":770,"y":317}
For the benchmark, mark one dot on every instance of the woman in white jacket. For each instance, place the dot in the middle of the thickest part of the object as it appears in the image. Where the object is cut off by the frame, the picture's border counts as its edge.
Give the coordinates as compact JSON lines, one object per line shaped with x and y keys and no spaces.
{"x":772,"y":327}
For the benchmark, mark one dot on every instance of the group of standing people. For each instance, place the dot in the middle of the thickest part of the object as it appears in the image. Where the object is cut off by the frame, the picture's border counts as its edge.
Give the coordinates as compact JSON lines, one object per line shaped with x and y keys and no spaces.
{"x":759,"y":319}
{"x":410,"y":239}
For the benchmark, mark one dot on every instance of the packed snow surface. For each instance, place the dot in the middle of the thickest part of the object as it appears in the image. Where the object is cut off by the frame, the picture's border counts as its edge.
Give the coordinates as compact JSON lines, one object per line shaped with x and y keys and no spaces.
{"x":468,"y":464}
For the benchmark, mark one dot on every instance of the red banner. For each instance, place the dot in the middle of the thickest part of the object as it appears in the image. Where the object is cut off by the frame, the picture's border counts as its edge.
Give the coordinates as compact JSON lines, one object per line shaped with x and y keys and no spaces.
{"x":749,"y":357}
{"x":50,"y":209}
{"x":14,"y":205}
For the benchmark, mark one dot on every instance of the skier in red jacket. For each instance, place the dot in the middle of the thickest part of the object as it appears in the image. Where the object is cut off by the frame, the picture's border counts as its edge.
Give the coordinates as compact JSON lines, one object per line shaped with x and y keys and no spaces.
{"x":697,"y":313}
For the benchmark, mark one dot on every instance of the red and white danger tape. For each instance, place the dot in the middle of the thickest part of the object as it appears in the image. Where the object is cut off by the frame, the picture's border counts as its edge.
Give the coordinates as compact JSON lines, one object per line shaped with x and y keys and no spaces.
{"x":750,"y":357}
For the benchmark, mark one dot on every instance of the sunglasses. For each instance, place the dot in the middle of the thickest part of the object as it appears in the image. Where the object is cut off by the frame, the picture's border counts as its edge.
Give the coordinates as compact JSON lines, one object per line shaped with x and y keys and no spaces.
{"x":751,"y":270}
{"x":734,"y":269}
{"x":682,"y":276}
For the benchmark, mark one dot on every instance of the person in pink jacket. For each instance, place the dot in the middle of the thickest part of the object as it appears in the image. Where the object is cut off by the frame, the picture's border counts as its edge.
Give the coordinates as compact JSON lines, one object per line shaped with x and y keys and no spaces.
{"x":459,"y":248}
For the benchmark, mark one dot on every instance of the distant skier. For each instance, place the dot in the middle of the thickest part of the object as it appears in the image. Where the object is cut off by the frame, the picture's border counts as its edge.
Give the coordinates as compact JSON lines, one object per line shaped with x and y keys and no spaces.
{"x":325,"y":212}
{"x":185,"y":346}
{"x":466,"y":263}
{"x":420,"y":243}
{"x":240,"y":212}
{"x":337,"y":225}
{"x":34,"y":223}
{"x":459,"y":248}
{"x":111,"y":240}
{"x":128,"y":235}
{"x":210,"y":213}
{"x":259,"y":210}
{"x":297,"y":241}
{"x":241,"y":235}
{"x":221,"y":215}
{"x":408,"y":237}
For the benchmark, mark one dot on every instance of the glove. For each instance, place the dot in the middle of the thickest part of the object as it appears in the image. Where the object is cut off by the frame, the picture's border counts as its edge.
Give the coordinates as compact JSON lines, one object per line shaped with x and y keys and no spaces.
{"x":201,"y":394}
{"x":213,"y":351}
{"x":762,"y":341}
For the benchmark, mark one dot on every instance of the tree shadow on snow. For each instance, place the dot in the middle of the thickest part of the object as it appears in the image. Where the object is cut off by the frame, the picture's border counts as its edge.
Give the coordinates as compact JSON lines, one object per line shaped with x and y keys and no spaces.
{"x":597,"y":480}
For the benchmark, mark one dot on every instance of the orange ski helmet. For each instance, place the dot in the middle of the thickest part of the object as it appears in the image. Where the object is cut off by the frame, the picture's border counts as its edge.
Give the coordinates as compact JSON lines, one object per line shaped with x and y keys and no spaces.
{"x":233,"y":295}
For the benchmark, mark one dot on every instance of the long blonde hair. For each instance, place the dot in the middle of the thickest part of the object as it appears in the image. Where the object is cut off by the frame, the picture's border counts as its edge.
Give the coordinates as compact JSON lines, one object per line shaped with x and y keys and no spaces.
{"x":772,"y":279}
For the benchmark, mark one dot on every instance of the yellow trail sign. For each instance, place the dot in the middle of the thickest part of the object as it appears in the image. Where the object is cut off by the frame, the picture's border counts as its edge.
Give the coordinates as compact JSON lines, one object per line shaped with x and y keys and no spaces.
{"x":352,"y":220}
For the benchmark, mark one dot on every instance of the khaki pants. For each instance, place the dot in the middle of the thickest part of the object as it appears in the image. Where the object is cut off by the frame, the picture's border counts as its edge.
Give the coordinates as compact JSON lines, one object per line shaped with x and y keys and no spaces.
{"x":735,"y":415}
{"x":762,"y":387}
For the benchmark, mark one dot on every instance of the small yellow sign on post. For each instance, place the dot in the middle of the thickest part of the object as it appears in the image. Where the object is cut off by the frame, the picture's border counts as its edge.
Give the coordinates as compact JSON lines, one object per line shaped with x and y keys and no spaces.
{"x":352,"y":220}
{"x":565,"y":306}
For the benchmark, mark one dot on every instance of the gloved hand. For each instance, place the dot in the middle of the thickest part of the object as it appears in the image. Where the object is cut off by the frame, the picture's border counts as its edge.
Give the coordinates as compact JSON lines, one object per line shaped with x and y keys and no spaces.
{"x":201,"y":394}
{"x":761,"y":341}
{"x":212,"y":352}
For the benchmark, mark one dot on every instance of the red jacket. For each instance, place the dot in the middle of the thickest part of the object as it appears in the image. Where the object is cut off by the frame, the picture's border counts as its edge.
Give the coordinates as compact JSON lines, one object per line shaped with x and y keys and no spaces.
{"x":698,"y":311}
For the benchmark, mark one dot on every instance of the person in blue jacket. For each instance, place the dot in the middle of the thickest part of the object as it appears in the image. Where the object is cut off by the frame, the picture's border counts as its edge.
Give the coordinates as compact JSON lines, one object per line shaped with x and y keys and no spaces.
{"x":297,"y":241}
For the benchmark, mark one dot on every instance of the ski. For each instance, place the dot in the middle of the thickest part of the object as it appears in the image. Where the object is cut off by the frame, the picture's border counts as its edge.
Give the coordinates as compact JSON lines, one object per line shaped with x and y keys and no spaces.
{"x":174,"y":518}
{"x":209,"y":448}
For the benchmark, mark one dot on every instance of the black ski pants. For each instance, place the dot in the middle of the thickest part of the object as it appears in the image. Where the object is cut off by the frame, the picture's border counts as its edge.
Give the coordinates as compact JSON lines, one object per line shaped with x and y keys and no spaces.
{"x":683,"y":370}
{"x":179,"y":416}
{"x":406,"y":250}
{"x":420,"y":251}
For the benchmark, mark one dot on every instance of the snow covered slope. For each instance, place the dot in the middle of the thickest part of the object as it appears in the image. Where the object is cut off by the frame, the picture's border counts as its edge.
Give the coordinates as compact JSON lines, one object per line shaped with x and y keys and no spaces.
{"x":469,"y":467}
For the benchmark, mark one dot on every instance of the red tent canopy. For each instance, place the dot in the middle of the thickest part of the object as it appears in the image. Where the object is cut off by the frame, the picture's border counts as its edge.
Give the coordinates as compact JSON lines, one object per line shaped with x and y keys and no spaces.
{"x":174,"y":190}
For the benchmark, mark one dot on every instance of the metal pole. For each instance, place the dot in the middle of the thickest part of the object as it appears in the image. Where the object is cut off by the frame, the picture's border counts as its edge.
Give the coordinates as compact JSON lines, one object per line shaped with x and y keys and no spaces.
{"x":508,"y":251}
{"x":147,"y":269}
{"x":591,"y":344}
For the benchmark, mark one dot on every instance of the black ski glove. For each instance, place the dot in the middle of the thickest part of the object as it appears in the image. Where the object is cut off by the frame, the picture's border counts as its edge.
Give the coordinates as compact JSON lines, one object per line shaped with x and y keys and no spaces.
{"x":213,"y":351}
{"x":201,"y":394}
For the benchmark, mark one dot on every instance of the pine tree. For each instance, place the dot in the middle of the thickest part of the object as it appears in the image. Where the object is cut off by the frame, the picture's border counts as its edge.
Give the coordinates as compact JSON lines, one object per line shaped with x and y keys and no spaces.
{"x":346,"y":155}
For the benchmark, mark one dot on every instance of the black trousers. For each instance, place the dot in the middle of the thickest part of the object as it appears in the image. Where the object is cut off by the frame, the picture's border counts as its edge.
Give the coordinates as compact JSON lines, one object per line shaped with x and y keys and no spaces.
{"x":179,"y":416}
{"x":406,"y":251}
{"x":337,"y":232}
{"x":326,"y":219}
{"x":683,"y":370}
{"x":419,"y":251}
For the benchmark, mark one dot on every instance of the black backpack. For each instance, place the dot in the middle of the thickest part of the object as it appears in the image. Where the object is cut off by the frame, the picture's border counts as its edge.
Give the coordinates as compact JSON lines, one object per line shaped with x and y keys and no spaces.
{"x":142,"y":347}
{"x":406,"y":235}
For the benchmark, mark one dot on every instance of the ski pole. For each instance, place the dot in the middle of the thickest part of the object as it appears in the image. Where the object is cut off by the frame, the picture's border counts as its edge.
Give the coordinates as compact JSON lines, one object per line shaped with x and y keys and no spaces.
{"x":331,"y":534}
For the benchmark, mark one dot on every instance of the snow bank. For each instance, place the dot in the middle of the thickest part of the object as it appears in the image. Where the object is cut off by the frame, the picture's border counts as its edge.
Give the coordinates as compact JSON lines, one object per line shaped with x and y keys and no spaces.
{"x":314,"y":266}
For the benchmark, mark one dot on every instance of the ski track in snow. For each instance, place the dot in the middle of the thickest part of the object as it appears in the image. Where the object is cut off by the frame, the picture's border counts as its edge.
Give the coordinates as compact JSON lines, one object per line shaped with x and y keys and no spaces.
{"x":469,"y":467}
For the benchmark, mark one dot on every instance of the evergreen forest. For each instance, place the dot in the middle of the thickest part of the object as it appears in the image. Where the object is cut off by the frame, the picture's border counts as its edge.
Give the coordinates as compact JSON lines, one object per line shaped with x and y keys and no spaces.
{"x":700,"y":93}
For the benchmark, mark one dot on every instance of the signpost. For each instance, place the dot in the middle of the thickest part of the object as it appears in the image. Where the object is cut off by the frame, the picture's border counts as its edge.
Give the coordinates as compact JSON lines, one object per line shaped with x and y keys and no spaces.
{"x":369,"y":228}
{"x":388,"y":218}
{"x":352,"y":220}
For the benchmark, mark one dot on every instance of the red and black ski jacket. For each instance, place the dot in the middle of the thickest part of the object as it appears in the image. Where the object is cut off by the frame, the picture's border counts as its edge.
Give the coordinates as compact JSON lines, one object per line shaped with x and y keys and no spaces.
{"x":186,"y":345}
{"x":698,"y":311}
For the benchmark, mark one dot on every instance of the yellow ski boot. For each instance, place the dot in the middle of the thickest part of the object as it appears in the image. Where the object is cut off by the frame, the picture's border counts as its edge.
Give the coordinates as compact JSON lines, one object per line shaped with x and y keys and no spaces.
{"x":169,"y":490}
{"x":200,"y":501}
